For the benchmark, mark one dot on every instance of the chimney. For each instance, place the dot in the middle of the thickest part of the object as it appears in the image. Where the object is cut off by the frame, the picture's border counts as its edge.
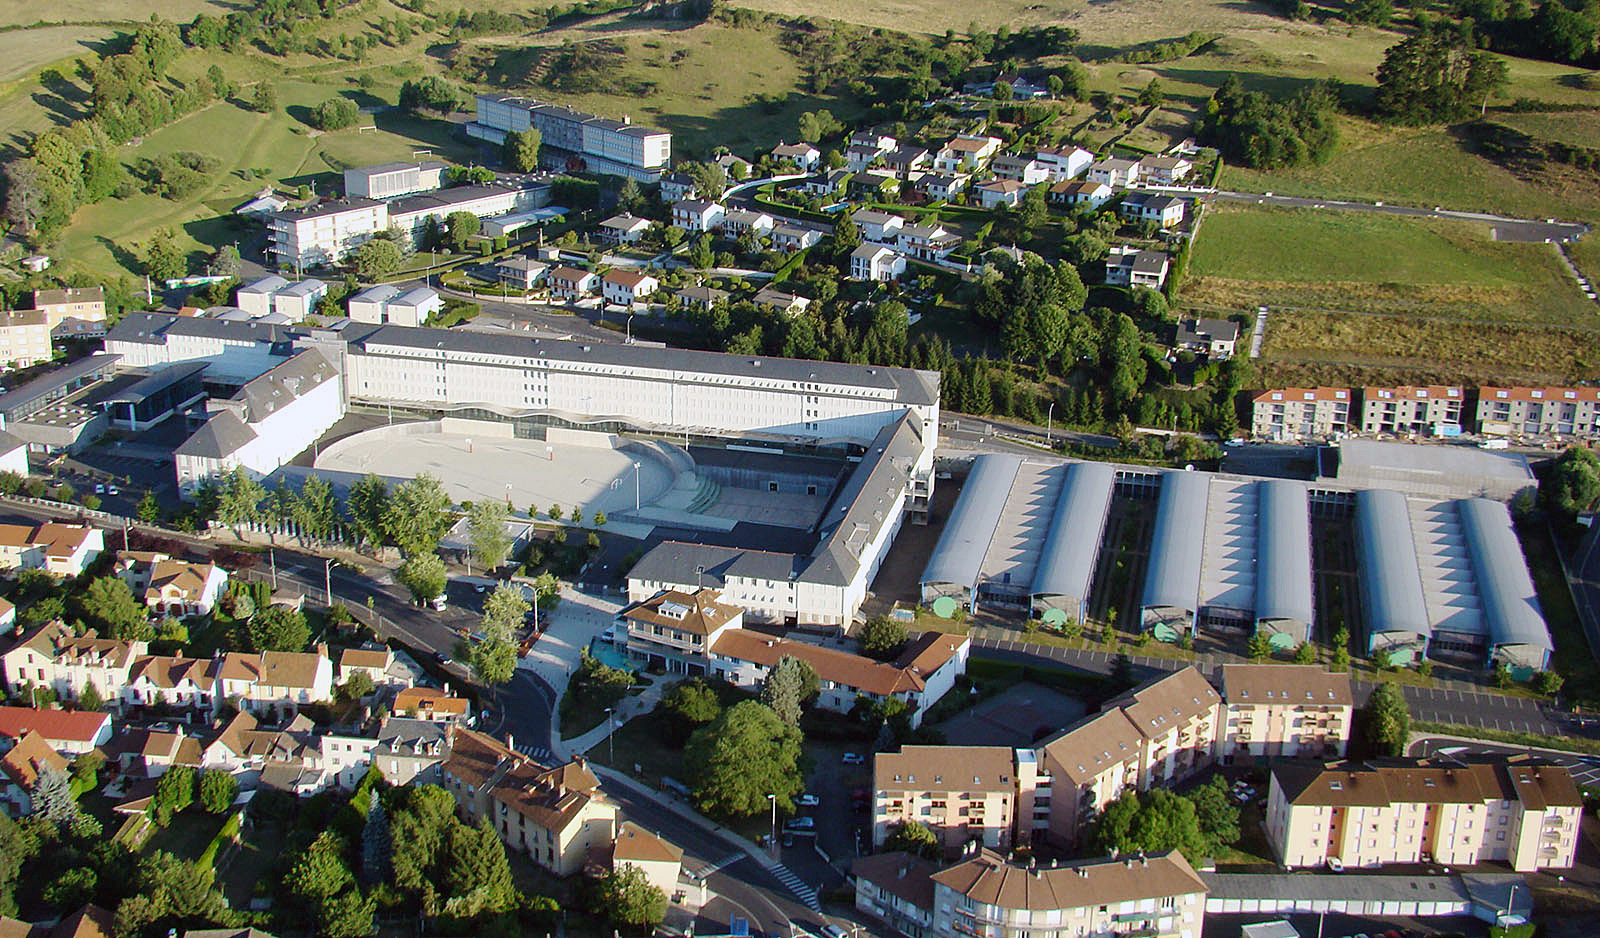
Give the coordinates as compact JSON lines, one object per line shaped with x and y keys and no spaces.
{"x":511,"y":742}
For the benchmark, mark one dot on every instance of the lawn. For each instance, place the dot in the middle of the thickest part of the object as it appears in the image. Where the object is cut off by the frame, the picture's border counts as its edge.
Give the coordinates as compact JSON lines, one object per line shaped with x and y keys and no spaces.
{"x":252,"y":862}
{"x":108,"y":11}
{"x":1585,"y":253}
{"x":187,"y":835}
{"x":1248,"y":255}
{"x":1576,"y":128}
{"x":1573,"y":658}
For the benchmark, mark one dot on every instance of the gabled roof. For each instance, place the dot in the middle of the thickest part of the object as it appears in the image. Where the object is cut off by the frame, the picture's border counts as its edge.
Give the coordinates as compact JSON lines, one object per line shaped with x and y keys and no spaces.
{"x":428,"y":698}
{"x":290,"y":668}
{"x":189,"y":579}
{"x":903,"y":875}
{"x":169,"y":672}
{"x":639,"y":845}
{"x":988,"y":878}
{"x":701,"y":612}
{"x":29,"y":758}
{"x":1160,"y":705}
{"x":842,"y":667}
{"x":79,"y":726}
{"x":91,"y":921}
{"x":218,"y":438}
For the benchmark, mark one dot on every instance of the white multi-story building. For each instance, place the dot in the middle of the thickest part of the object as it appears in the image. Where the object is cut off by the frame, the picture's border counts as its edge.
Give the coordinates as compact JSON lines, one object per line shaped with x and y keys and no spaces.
{"x":411,"y":215}
{"x":1432,"y":409}
{"x":697,"y":214}
{"x":573,"y":140}
{"x":1274,"y":710}
{"x":875,"y":262}
{"x":24,"y":338}
{"x":1539,"y":412}
{"x":324,"y":233}
{"x":382,"y":304}
{"x":627,"y":288}
{"x":1300,"y":413}
{"x":1064,"y":163}
{"x":392,"y":180}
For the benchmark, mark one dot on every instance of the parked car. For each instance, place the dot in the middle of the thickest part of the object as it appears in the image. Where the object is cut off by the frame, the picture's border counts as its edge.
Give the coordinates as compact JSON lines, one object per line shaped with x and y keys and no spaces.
{"x":853,"y":758}
{"x":99,"y":488}
{"x":807,"y":801}
{"x":800,"y":824}
{"x":113,"y":490}
{"x":1335,"y":865}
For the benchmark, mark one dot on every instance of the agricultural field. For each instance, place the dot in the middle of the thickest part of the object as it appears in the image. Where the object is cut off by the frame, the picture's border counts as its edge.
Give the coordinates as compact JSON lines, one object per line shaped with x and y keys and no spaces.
{"x":1574,"y":128}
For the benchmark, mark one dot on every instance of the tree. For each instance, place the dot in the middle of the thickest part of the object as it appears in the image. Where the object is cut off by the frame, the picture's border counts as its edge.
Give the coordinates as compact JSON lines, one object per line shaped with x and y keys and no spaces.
{"x":1572,"y":485}
{"x":416,"y":515}
{"x":163,"y":260}
{"x":625,"y":896}
{"x":429,"y":93}
{"x":52,"y":797}
{"x":476,"y":872}
{"x":278,"y":628}
{"x":424,"y":575}
{"x":84,"y":770}
{"x":376,"y":259}
{"x":376,"y":842}
{"x":554,"y":513}
{"x":356,"y":686}
{"x":264,"y":98}
{"x":494,"y":659}
{"x":1548,"y":683}
{"x":239,"y":498}
{"x":225,"y":262}
{"x":335,"y":114}
{"x":1305,"y":654}
{"x":1435,"y":77}
{"x":883,"y":638}
{"x":319,"y":873}
{"x":1387,"y":720}
{"x":520,"y":151}
{"x":346,"y":915}
{"x":109,"y":603}
{"x":315,"y":511}
{"x":171,"y":889}
{"x":420,"y":824}
{"x":1216,"y":813}
{"x":913,"y":837}
{"x":486,"y":525}
{"x":1341,"y":650}
{"x":149,"y":509}
{"x":742,"y":756}
{"x":461,"y":228}
{"x":71,"y":889}
{"x":1153,"y":822}
{"x":1151,"y":94}
{"x":599,"y":519}
{"x":174,"y":792}
{"x":781,"y":690}
{"x":1260,"y":647}
{"x":217,"y":791}
{"x":367,"y":506}
{"x":692,"y":702}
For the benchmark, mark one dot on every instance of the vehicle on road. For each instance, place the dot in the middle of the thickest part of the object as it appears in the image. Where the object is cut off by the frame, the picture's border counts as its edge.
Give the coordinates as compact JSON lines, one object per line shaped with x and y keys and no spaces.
{"x":99,"y":488}
{"x":113,"y":490}
{"x":853,"y":758}
{"x":439,"y":603}
{"x":1335,"y":865}
{"x":800,"y":824}
{"x":807,"y":801}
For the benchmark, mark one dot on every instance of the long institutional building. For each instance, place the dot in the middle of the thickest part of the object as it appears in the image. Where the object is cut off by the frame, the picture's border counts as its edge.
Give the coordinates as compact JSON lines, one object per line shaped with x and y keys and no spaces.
{"x":275,"y":389}
{"x":1435,"y":574}
{"x":575,"y":141}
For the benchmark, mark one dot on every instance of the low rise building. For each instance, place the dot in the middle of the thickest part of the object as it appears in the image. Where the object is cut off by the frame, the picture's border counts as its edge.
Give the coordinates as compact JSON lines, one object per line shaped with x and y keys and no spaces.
{"x":325,"y":232}
{"x":69,"y":732}
{"x":1539,"y":413}
{"x":1081,"y":192}
{"x":62,"y":549}
{"x":1128,"y":266}
{"x":1164,"y":210}
{"x":383,"y":304}
{"x":20,"y":768}
{"x":673,"y":629}
{"x":626,"y":228}
{"x":1465,"y":811}
{"x":702,"y":297}
{"x":942,"y":187}
{"x":394,"y":179}
{"x":878,"y":227}
{"x":777,"y":301}
{"x":432,"y":705}
{"x":876,"y":263}
{"x":675,"y":187}
{"x":24,"y":338}
{"x":86,"y":304}
{"x":627,"y":288}
{"x":791,"y":238}
{"x":1114,"y":172}
{"x":697,"y":214}
{"x":1064,"y":163}
{"x":738,"y":221}
{"x":521,"y":271}
{"x":1165,"y":170}
{"x":1281,"y":710}
{"x":1284,"y":414}
{"x":1007,"y":192}
{"x":964,"y":794}
{"x":804,"y":156}
{"x":50,"y":655}
{"x":928,"y":242}
{"x":1215,"y":338}
{"x":1435,"y":409}
{"x":827,"y":183}
{"x":180,"y":588}
{"x":1021,"y":169}
{"x":570,"y":283}
{"x":657,"y":858}
{"x":374,"y":662}
{"x":906,"y":161}
{"x":966,"y":153}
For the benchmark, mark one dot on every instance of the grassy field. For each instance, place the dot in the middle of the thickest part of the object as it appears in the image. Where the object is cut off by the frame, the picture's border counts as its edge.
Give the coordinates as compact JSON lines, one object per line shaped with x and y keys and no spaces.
{"x":1576,"y":128}
{"x":22,"y":13}
{"x":1249,"y":255}
{"x":24,"y":51}
{"x":1585,"y":253}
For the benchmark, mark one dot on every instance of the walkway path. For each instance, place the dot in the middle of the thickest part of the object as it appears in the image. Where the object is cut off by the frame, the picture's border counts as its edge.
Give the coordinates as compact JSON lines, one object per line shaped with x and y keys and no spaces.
{"x":1503,"y":228}
{"x":568,"y":629}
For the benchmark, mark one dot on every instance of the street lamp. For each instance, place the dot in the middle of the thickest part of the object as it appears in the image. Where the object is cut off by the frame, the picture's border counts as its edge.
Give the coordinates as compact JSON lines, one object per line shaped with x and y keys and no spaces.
{"x":628,"y":338}
{"x":773,"y":800}
{"x":1049,"y":421}
{"x":327,"y":580}
{"x":611,"y":746}
{"x":636,"y":486}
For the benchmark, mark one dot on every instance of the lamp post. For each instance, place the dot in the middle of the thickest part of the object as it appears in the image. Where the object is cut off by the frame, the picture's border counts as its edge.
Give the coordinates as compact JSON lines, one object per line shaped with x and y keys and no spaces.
{"x":628,"y":337}
{"x":1049,"y":422}
{"x":327,"y":580}
{"x":611,"y":746}
{"x":773,"y":801}
{"x":636,"y":486}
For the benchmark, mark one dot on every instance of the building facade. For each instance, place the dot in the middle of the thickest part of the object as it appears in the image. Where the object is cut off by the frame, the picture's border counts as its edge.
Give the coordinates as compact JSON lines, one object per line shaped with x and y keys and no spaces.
{"x":24,"y":338}
{"x":1539,"y":413}
{"x":1274,"y":710}
{"x":1435,"y":410}
{"x":573,"y":140}
{"x":964,"y":794}
{"x":1284,"y":414}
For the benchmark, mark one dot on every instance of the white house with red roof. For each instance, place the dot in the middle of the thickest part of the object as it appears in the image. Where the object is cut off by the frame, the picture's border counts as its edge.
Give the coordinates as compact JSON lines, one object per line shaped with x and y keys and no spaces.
{"x":67,"y":731}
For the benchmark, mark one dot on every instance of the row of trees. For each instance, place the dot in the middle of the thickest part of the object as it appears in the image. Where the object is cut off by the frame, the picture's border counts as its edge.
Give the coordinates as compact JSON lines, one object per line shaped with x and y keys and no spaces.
{"x":413,"y":516}
{"x":1255,"y":129}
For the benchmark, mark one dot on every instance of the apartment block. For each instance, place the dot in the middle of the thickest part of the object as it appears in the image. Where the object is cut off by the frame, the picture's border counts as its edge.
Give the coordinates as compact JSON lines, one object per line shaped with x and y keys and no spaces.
{"x":573,"y":140}
{"x":1539,"y":412}
{"x":24,"y":338}
{"x":1300,"y":413}
{"x":1517,"y":811}
{"x":964,"y":794}
{"x":1436,"y":409}
{"x":1273,"y":710}
{"x":392,"y":180}
{"x":85,"y":303}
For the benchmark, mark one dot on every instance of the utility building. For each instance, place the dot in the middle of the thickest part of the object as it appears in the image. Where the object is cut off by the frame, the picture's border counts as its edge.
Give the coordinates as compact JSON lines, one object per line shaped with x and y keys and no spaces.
{"x":1518,"y":635}
{"x":1283,"y":568}
{"x":1390,"y":578}
{"x":1172,"y":582}
{"x":953,"y":570}
{"x":1066,"y":569}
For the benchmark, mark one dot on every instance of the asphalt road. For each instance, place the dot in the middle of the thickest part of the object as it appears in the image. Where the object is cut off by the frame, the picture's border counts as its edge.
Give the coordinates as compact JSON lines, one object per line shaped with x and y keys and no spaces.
{"x":1505,"y":229}
{"x":1585,"y":769}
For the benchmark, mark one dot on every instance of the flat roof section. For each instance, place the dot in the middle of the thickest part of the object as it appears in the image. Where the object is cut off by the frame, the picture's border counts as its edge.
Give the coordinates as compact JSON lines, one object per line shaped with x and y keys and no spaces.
{"x":958,"y":557}
{"x":1013,"y":555}
{"x":1510,"y":605}
{"x":1172,"y":581}
{"x":1283,"y":573}
{"x":1435,"y":470}
{"x":1228,"y":561}
{"x":1072,"y":548}
{"x":1388,"y":574}
{"x":1449,"y":582}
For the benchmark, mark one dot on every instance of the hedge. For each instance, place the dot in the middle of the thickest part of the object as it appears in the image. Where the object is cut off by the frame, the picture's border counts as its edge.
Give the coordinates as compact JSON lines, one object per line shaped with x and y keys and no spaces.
{"x":226,"y":834}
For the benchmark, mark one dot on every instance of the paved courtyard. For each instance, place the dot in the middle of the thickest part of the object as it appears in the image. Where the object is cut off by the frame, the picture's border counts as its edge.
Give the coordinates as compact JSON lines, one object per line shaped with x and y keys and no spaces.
{"x":1014,"y":717}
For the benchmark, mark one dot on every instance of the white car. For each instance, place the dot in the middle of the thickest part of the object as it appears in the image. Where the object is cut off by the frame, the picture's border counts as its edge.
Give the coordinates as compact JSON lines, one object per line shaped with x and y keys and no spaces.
{"x":113,"y":490}
{"x":99,"y":488}
{"x":807,"y":801}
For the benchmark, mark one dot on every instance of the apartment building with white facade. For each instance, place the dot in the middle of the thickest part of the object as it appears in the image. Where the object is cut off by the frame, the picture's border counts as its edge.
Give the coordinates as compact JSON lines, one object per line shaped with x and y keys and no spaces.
{"x":383,"y":303}
{"x":1434,"y":409}
{"x":394,"y":179}
{"x":82,"y":303}
{"x":876,"y":263}
{"x":24,"y":338}
{"x":1540,"y":413}
{"x":324,"y":233}
{"x":1284,"y":710}
{"x":1285,"y":414}
{"x":1518,"y":811}
{"x":1158,"y":896}
{"x":573,"y":140}
{"x":964,"y":794}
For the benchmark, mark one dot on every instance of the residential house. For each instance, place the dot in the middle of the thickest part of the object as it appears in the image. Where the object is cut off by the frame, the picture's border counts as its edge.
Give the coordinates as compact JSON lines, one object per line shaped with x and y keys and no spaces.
{"x":697,"y":214}
{"x":1021,"y":169}
{"x":1007,"y":192}
{"x":1435,"y":409}
{"x":873,"y":139}
{"x":878,"y":227}
{"x":873,"y":185}
{"x":828,"y":183}
{"x":414,"y":307}
{"x":804,"y":156}
{"x":1115,"y":172}
{"x":25,"y":337}
{"x":570,"y":283}
{"x":1160,"y":896}
{"x":1164,"y":210}
{"x":859,"y":159}
{"x":963,"y":794}
{"x":179,"y":588}
{"x":966,"y":153}
{"x":673,"y":629}
{"x":905,"y":160}
{"x":737,"y":221}
{"x":928,"y":242}
{"x":896,"y":889}
{"x":736,"y":167}
{"x":63,"y":549}
{"x":144,"y":753}
{"x":702,"y":297}
{"x":942,"y":187}
{"x":522,"y":272}
{"x":1274,"y":710}
{"x":1214,"y":338}
{"x":552,"y":815}
{"x":1130,"y":266}
{"x":657,"y":858}
{"x":411,"y":751}
{"x":1300,"y":413}
{"x":432,"y":705}
{"x":36,"y":263}
{"x":1165,"y":170}
{"x":1081,"y":192}
{"x":675,"y":187}
{"x":1021,"y":88}
{"x":255,"y":297}
{"x":623,"y":229}
{"x":626,"y":288}
{"x":20,"y":769}
{"x":50,"y":655}
{"x":875,"y":262}
{"x":1539,"y":413}
{"x":1460,"y":811}
{"x":87,"y":304}
{"x":791,"y":238}
{"x":156,"y":680}
{"x":1064,"y":163}
{"x":69,"y":732}
{"x":925,"y":670}
{"x":275,"y":678}
{"x":786,"y":304}
{"x":375,"y":661}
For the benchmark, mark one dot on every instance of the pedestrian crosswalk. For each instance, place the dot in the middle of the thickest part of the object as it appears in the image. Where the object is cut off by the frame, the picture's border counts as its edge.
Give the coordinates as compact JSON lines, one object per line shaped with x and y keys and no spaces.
{"x":728,"y":860}
{"x":797,"y":886}
{"x":536,"y":752}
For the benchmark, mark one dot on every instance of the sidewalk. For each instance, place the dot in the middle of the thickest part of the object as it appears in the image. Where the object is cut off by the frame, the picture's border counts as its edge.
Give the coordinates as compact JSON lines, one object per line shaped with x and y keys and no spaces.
{"x":626,"y":710}
{"x":567,"y":632}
